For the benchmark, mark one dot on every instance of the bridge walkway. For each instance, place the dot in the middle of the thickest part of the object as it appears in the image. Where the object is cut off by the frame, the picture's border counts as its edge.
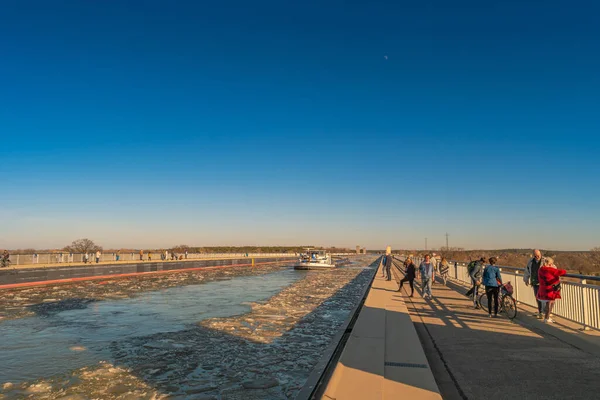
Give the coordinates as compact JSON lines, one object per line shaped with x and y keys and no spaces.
{"x":474,"y":356}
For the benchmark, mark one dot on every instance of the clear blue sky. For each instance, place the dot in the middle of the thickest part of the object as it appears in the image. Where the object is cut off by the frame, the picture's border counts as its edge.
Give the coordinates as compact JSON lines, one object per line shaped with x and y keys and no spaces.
{"x":143,"y":123}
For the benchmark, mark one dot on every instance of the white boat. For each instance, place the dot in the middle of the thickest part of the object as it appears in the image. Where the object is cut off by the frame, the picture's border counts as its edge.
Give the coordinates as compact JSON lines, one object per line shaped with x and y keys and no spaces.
{"x":314,"y":259}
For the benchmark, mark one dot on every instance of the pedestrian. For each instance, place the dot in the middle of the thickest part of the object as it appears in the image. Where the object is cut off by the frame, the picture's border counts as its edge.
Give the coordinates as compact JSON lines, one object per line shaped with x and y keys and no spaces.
{"x":166,"y":255}
{"x":409,"y":276}
{"x":186,"y":254}
{"x":118,"y":256}
{"x":383,"y":261}
{"x":5,"y":258}
{"x":549,"y":286}
{"x":530,"y":277}
{"x":141,"y":255}
{"x":492,"y":281}
{"x":98,"y":254}
{"x":388,"y":267}
{"x":427,"y":275}
{"x":444,"y":268}
{"x":149,"y":256}
{"x":86,"y":258}
{"x":475,"y":270}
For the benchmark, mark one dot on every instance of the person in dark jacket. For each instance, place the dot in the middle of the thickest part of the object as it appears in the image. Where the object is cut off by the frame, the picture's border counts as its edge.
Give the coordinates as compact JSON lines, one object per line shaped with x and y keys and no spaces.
{"x":388,"y":267}
{"x":530,"y":277}
{"x":409,"y":276}
{"x":383,"y":260}
{"x":492,"y":281}
{"x":475,"y":275}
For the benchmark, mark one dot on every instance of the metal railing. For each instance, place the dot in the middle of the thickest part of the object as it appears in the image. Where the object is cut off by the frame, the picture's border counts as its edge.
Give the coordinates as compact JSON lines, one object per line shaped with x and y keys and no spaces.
{"x":580,"y":302}
{"x":78,"y":258}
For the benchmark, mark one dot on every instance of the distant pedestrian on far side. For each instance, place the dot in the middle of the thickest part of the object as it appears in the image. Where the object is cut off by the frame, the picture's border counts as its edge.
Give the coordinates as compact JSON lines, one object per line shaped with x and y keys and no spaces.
{"x":141,"y":255}
{"x":530,"y":277}
{"x":427,"y":275}
{"x":388,"y":267}
{"x":98,"y":254}
{"x":492,"y":280}
{"x":549,"y":291}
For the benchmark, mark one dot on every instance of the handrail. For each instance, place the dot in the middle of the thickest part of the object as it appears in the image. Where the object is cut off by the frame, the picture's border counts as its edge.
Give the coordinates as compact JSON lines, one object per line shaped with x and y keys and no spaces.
{"x":568,"y":275}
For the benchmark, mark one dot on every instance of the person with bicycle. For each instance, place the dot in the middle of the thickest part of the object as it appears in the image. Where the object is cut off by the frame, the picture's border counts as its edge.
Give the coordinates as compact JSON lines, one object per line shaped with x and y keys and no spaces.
{"x":492,"y":281}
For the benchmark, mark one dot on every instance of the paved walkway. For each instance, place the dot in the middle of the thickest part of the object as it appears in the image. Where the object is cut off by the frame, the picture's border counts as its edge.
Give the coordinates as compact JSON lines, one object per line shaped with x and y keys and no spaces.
{"x":383,"y":358}
{"x":477,"y":357}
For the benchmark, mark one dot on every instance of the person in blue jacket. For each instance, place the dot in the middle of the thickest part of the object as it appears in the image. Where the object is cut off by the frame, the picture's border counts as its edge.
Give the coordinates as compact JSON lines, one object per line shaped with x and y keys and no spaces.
{"x":492,"y":281}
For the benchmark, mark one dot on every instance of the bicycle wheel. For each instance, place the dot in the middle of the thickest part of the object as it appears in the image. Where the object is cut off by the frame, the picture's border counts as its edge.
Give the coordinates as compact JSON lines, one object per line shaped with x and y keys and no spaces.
{"x":509,"y":306}
{"x":482,"y":301}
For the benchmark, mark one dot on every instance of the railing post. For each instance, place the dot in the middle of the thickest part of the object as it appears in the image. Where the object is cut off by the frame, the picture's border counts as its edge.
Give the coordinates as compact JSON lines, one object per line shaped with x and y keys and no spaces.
{"x":455,"y":270}
{"x":516,"y":286}
{"x":584,"y":306}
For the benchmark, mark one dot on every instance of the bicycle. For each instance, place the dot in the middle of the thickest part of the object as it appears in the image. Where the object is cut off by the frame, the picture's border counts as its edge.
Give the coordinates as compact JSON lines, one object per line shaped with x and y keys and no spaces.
{"x":506,"y":304}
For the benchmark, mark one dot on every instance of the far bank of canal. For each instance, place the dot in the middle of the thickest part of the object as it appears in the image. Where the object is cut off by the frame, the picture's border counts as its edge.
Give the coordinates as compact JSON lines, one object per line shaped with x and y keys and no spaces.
{"x":235,"y":336}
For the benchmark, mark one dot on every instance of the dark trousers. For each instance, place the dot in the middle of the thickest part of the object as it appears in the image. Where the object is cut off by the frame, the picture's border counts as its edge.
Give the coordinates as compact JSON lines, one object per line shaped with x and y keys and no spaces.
{"x":472,"y":290}
{"x":388,"y":272}
{"x":410,"y":282}
{"x":492,"y":292}
{"x":535,"y":292}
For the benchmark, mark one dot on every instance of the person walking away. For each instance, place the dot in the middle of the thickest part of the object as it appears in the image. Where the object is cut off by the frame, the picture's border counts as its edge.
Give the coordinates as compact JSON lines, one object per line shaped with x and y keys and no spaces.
{"x":409,"y":276}
{"x":383,"y":261}
{"x":492,"y":281}
{"x":444,"y":268}
{"x":388,"y":267}
{"x":427,"y":275}
{"x":149,"y":256}
{"x":141,"y":255}
{"x":530,"y":277}
{"x":98,"y":254}
{"x":475,"y":270}
{"x":549,"y":286}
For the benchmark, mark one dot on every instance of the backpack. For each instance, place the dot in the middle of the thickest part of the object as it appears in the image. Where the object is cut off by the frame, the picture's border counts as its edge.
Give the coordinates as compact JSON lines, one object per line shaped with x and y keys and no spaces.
{"x":471,"y":267}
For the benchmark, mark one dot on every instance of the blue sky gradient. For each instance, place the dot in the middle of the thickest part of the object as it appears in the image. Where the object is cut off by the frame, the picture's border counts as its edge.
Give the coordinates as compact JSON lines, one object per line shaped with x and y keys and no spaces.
{"x":148,"y":124}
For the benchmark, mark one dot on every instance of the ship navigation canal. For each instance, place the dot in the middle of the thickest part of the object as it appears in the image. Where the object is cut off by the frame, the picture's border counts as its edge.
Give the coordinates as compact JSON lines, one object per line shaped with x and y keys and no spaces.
{"x":314,"y":259}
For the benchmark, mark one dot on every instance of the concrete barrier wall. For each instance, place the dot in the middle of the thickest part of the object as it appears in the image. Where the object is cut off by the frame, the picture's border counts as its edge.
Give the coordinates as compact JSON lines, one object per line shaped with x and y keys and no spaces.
{"x":21,"y":276}
{"x":65,"y":257}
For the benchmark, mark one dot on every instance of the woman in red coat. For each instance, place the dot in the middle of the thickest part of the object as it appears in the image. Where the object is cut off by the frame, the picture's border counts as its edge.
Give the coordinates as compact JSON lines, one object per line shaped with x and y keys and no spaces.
{"x":549,"y":277}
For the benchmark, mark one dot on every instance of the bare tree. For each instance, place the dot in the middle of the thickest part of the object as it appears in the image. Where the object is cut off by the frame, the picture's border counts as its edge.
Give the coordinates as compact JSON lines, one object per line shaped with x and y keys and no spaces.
{"x":83,"y":246}
{"x":597,"y":248}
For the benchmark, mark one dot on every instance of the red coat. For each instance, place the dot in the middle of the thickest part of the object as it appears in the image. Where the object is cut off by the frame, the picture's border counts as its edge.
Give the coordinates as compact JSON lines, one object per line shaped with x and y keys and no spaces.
{"x":549,"y":277}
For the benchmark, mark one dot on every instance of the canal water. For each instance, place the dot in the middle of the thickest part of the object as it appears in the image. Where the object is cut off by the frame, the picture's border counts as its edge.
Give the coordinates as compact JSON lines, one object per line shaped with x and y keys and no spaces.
{"x":45,"y":345}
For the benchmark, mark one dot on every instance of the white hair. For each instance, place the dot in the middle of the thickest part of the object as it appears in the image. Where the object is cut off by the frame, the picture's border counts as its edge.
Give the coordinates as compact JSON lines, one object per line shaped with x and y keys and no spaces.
{"x":549,"y":261}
